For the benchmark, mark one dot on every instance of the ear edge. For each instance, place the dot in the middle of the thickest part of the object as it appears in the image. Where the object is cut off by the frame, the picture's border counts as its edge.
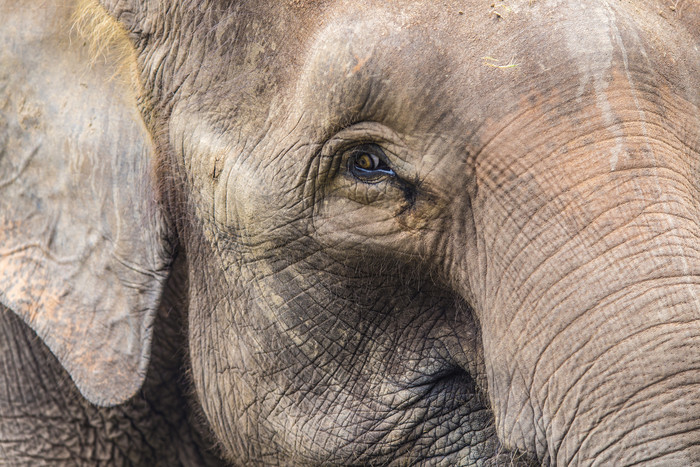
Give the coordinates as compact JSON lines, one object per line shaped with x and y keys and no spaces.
{"x":84,"y":257}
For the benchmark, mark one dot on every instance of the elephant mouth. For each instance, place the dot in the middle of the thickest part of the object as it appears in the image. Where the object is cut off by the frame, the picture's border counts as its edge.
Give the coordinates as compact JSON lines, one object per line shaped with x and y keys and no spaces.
{"x":455,"y":382}
{"x":437,"y":396}
{"x":448,"y":408}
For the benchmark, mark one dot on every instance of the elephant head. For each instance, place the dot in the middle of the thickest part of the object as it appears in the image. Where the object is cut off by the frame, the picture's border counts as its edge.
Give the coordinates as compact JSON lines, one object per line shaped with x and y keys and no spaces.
{"x":408,"y":232}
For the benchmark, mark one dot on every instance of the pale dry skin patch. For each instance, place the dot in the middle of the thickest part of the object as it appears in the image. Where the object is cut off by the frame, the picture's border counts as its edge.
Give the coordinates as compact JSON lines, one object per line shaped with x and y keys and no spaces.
{"x":60,"y":112}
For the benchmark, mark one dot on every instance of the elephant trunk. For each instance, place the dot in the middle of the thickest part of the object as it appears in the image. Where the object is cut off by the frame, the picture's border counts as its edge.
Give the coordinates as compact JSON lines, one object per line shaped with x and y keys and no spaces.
{"x":589,"y":303}
{"x":625,"y":390}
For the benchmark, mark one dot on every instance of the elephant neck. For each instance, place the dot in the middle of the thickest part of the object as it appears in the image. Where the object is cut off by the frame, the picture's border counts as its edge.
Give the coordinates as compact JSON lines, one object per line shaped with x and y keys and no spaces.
{"x":43,"y":417}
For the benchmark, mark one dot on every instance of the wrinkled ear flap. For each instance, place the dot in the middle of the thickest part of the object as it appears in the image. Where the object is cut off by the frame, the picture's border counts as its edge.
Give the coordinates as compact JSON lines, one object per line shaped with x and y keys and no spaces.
{"x":83,"y":250}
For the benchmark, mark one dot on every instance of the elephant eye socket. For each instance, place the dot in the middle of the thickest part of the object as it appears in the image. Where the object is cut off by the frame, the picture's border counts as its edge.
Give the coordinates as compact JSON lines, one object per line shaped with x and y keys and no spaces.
{"x":368,"y":163}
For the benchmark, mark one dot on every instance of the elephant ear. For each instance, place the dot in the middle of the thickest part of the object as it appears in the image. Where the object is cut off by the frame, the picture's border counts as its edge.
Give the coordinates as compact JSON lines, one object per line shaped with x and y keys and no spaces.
{"x":83,"y":245}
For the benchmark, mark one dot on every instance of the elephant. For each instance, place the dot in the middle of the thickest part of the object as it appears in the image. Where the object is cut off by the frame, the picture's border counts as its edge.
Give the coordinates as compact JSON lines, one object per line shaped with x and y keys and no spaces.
{"x":331,"y":232}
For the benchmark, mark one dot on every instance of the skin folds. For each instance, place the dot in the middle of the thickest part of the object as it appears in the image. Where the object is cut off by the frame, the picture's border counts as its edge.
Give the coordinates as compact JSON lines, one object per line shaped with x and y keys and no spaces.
{"x":342,"y":233}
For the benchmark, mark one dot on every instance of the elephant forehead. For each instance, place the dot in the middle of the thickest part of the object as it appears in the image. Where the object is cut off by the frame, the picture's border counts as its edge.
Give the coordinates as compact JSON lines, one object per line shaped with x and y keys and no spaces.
{"x":387,"y":63}
{"x":413,"y":66}
{"x":320,"y":66}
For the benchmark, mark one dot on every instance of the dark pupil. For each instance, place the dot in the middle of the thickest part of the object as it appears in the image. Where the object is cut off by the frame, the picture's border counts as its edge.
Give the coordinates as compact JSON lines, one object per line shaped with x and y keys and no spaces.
{"x":364,"y":161}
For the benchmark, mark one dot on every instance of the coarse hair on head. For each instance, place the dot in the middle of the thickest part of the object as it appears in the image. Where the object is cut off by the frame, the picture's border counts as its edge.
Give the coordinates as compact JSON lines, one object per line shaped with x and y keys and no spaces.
{"x":106,"y":39}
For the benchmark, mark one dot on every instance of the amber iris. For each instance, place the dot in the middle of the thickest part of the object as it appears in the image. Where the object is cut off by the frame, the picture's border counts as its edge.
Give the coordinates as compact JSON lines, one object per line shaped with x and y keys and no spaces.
{"x":366,"y":161}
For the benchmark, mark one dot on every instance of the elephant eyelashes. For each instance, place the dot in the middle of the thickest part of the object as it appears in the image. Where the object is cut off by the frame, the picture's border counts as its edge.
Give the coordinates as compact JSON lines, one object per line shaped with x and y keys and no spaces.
{"x":368,"y":164}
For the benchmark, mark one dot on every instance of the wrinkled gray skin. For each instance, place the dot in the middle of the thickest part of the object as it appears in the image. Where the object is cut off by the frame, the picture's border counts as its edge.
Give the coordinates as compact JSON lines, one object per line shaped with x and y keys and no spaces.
{"x":217,"y":278}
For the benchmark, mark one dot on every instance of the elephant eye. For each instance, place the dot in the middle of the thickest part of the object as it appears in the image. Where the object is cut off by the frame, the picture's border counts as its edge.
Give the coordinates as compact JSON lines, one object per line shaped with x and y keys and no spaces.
{"x":368,"y":163}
